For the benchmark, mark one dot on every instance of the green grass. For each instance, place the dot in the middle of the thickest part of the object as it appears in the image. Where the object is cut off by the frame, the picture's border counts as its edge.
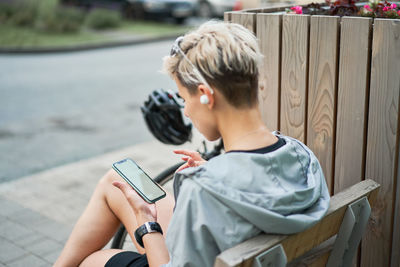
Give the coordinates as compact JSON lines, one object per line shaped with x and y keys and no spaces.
{"x":46,"y":24}
{"x":152,"y":28}
{"x":20,"y":37}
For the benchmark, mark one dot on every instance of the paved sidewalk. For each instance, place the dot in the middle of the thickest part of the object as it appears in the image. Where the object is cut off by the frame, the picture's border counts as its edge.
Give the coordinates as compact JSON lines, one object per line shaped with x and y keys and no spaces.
{"x":38,"y":212}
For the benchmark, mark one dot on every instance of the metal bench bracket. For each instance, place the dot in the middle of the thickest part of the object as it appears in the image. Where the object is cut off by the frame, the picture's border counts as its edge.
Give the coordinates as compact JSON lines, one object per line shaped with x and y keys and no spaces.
{"x":350,"y":233}
{"x":273,"y":257}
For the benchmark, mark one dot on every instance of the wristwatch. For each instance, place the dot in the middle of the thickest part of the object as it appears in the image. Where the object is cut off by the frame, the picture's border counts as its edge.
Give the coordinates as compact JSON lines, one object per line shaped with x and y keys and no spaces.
{"x":148,"y":227}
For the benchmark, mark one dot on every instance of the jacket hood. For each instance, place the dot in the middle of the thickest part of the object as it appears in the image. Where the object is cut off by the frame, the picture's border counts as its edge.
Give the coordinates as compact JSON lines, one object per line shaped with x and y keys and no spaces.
{"x":291,"y":197}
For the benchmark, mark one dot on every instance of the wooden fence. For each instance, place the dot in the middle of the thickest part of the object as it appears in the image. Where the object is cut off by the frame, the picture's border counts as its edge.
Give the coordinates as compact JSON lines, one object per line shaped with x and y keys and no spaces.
{"x":334,"y":84}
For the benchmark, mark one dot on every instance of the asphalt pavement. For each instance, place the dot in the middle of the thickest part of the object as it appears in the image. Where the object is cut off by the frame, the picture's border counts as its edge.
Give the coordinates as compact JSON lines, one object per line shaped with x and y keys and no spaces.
{"x":60,"y":108}
{"x":88,"y":99}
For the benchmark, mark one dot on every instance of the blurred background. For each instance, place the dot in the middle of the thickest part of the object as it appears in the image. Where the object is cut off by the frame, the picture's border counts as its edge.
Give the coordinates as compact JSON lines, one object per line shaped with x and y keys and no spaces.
{"x":60,"y":101}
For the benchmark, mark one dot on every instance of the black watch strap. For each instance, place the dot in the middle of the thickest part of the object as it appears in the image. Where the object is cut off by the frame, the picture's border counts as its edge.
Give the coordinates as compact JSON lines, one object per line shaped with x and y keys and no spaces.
{"x":148,"y":227}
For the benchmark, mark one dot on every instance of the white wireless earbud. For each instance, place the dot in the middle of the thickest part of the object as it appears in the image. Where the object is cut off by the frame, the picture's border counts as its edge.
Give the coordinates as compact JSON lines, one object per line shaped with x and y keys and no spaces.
{"x":204,"y":99}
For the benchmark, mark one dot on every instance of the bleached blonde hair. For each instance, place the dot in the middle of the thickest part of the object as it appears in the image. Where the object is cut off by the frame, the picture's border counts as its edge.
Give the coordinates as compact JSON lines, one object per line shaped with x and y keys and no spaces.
{"x":227,"y":56}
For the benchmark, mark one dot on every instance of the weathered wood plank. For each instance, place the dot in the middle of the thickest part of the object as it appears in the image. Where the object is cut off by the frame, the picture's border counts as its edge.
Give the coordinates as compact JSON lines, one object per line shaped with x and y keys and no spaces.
{"x":381,"y":140}
{"x":227,"y":16}
{"x":324,"y":35}
{"x":297,"y":244}
{"x":316,"y":257}
{"x":294,"y":75}
{"x":352,"y":101}
{"x":269,"y":34}
{"x":274,"y":8}
{"x":395,"y":260}
{"x":248,"y":20}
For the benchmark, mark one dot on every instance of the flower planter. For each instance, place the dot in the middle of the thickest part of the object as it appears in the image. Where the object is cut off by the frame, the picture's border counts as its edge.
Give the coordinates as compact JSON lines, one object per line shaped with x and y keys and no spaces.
{"x":334,"y":83}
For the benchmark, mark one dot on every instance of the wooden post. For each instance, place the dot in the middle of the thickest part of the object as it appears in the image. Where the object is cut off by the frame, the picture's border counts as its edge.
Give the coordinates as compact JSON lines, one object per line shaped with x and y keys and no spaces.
{"x":352,"y":101}
{"x":324,"y":52}
{"x":352,"y":105}
{"x":227,"y":16}
{"x":294,"y":72}
{"x":395,"y":257}
{"x":269,"y":33}
{"x":382,"y":140}
{"x":248,"y":20}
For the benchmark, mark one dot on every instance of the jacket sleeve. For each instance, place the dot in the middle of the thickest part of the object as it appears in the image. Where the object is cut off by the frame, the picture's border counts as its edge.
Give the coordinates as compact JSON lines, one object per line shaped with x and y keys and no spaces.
{"x":190,"y":240}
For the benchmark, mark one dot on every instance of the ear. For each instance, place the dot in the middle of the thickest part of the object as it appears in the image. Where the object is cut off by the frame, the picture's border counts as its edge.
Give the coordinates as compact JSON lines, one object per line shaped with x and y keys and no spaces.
{"x":204,"y":90}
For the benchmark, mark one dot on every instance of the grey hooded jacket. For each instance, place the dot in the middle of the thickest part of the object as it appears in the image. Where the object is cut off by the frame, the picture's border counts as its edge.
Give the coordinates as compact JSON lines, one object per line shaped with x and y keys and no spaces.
{"x":236,"y":196}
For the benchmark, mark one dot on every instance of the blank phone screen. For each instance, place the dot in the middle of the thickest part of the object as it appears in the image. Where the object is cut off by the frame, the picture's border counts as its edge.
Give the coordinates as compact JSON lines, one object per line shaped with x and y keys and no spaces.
{"x":139,"y":179}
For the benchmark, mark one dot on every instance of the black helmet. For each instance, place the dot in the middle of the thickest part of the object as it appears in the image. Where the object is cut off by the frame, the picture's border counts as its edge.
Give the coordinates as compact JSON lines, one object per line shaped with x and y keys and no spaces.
{"x":164,"y":119}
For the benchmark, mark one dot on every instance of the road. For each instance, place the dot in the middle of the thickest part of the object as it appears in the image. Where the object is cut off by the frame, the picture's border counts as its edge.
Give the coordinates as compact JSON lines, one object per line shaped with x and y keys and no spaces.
{"x":60,"y":108}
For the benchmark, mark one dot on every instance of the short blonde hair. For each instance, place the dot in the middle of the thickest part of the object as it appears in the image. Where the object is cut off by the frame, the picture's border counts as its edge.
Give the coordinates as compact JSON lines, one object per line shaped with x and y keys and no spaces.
{"x":226,"y":54}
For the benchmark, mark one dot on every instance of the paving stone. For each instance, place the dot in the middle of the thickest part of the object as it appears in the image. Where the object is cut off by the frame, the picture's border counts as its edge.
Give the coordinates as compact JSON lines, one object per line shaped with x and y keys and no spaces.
{"x":9,"y":207}
{"x":3,"y":219}
{"x":61,"y":235}
{"x":63,"y":214}
{"x":12,"y":231}
{"x":30,"y":239}
{"x":10,"y":252}
{"x":54,"y":230}
{"x":34,"y":201}
{"x":44,"y":247}
{"x":29,"y":260}
{"x":28,"y":217}
{"x":52,"y":257}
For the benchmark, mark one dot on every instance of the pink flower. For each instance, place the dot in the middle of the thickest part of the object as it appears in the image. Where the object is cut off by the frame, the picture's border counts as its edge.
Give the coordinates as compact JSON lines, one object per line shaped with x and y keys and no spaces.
{"x":391,"y":7}
{"x":398,"y":12}
{"x":297,"y":9}
{"x":368,"y":8}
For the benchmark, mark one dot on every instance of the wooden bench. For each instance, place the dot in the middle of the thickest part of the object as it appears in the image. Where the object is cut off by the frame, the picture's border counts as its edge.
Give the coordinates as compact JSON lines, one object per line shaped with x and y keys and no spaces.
{"x":331,"y":242}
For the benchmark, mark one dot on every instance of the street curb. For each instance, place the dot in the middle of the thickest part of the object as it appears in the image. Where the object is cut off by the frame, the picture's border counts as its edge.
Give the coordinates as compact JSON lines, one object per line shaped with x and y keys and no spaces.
{"x":78,"y":48}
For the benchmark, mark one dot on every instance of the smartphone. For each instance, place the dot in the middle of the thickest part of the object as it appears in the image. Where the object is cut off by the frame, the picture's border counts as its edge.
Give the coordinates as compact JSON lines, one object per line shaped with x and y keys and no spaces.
{"x":149,"y":190}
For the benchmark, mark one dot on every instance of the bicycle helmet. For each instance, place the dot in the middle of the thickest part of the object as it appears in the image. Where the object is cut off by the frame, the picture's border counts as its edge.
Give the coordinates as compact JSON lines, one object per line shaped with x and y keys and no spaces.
{"x":162,"y":113}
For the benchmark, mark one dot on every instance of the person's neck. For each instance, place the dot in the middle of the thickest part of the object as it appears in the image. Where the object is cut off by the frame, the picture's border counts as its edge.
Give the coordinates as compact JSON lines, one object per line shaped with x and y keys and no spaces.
{"x":244,"y":130}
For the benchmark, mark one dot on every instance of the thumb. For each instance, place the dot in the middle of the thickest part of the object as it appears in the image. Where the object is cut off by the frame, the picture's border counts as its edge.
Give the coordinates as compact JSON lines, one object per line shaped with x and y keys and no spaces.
{"x":191,"y":162}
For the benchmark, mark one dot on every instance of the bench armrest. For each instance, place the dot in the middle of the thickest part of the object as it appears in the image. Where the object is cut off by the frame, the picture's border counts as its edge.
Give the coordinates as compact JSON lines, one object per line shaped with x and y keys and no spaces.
{"x":297,"y":244}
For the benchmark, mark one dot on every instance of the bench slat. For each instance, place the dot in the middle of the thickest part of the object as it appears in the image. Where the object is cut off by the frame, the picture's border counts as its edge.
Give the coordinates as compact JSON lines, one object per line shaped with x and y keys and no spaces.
{"x":297,"y":244}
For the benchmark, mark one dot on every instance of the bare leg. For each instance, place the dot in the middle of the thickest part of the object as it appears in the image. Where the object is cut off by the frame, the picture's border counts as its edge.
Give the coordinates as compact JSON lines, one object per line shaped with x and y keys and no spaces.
{"x":107,"y":208}
{"x":99,"y":258}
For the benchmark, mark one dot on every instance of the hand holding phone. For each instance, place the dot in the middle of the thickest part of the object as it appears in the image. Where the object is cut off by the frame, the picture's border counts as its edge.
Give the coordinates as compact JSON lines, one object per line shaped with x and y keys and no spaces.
{"x":149,"y":190}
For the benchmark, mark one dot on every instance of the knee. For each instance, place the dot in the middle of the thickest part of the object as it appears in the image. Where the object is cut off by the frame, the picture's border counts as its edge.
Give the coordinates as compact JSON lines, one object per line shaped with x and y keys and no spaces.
{"x":108,"y":178}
